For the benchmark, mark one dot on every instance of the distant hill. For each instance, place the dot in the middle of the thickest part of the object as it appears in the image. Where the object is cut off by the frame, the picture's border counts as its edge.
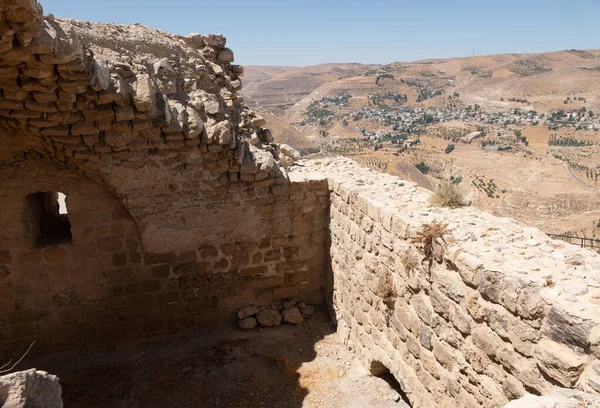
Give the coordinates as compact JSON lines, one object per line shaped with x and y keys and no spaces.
{"x":285,"y":133}
{"x":541,"y":173}
{"x":281,"y":87}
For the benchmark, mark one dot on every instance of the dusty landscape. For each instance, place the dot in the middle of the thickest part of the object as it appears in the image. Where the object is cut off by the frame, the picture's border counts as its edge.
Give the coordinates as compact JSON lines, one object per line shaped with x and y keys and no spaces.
{"x":523,"y":129}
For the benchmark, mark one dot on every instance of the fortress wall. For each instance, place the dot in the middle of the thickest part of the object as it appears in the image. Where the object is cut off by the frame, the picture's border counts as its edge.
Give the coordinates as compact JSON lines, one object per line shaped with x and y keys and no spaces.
{"x":496,"y":311}
{"x":179,"y":211}
{"x":105,"y":284}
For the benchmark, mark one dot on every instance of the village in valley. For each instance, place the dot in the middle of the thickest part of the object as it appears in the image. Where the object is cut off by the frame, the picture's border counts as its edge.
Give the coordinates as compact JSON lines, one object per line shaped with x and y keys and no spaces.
{"x":509,"y":129}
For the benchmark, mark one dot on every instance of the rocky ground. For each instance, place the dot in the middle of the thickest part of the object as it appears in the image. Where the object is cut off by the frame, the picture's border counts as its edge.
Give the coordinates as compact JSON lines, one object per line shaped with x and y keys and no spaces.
{"x":287,"y":366}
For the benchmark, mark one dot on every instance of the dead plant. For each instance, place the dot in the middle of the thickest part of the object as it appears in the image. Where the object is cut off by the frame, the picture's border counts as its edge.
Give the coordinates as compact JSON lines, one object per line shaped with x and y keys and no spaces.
{"x":424,"y":239}
{"x":408,"y":262}
{"x":387,"y":291}
{"x":4,"y":370}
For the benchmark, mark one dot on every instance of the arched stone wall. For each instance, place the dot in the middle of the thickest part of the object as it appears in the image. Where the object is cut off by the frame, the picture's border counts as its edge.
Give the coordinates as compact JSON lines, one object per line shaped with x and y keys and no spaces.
{"x":180,"y":212}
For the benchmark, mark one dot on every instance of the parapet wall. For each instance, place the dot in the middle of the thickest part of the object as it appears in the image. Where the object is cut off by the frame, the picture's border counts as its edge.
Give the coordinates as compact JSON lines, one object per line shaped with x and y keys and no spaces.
{"x":491,"y":312}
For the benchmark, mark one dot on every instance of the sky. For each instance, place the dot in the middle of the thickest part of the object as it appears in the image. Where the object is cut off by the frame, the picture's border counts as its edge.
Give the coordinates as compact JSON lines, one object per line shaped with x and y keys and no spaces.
{"x":308,"y":32}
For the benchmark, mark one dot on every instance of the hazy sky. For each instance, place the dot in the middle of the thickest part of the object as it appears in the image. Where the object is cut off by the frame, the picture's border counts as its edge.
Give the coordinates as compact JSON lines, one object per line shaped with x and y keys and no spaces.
{"x":289,"y":32}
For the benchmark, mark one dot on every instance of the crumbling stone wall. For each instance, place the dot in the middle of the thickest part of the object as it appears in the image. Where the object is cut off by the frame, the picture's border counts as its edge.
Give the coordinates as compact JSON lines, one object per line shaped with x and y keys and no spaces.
{"x":179,"y":210}
{"x":491,"y":312}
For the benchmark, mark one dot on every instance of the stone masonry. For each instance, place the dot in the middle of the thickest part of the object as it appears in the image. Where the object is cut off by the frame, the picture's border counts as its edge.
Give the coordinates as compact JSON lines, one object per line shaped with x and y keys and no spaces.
{"x":494,"y":311}
{"x":179,"y":213}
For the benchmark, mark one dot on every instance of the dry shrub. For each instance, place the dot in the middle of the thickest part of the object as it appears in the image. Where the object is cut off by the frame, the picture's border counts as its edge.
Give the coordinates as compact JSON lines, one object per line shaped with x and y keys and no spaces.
{"x":407,"y":261}
{"x":429,"y":233}
{"x":448,"y":195}
{"x":387,"y":291}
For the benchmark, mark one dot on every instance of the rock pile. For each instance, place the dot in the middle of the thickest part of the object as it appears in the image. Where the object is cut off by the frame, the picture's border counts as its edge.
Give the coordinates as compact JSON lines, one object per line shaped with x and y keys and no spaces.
{"x":292,"y":311}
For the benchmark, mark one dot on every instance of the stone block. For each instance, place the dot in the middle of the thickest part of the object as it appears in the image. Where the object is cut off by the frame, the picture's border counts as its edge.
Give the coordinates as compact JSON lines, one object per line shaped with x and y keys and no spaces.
{"x":151,"y":286}
{"x":55,"y":254}
{"x":567,"y":329}
{"x":559,"y":362}
{"x":84,"y":250}
{"x":253,"y":271}
{"x":285,"y":293}
{"x":30,"y":389}
{"x":153,"y":259}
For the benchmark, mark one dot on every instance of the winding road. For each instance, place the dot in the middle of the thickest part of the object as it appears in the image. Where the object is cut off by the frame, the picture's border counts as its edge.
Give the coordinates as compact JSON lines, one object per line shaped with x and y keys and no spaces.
{"x":570,"y":173}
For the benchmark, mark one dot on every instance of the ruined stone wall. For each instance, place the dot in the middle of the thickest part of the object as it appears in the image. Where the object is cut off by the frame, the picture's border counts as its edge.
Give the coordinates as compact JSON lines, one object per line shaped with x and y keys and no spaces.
{"x":179,"y":210}
{"x":489,"y":313}
{"x":105,"y":285}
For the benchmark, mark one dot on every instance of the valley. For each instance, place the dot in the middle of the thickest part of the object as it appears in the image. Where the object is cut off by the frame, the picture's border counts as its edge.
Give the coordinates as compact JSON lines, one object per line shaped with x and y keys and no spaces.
{"x":519,"y":134}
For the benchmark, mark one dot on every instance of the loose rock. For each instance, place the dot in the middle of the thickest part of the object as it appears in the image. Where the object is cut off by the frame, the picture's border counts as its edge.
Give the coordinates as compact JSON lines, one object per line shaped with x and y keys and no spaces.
{"x":269,"y":317}
{"x":248,"y":323}
{"x":292,"y":316}
{"x":247,"y":311}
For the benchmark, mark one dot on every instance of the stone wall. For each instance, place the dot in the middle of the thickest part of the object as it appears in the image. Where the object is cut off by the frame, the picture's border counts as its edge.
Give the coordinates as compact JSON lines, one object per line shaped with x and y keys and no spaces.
{"x":485,"y":315}
{"x":179,"y":211}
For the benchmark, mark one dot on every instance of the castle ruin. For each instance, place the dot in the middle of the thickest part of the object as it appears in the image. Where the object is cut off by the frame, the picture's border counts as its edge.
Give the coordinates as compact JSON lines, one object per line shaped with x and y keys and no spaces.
{"x":178,"y":211}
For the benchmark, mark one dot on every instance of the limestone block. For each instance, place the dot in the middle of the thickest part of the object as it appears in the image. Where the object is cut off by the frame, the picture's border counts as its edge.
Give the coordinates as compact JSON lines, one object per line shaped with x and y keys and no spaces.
{"x":216,"y":69}
{"x":564,"y":328}
{"x":247,"y":311}
{"x":486,"y":340}
{"x":194,"y":126}
{"x":209,"y":53}
{"x":100,"y":78}
{"x":144,"y":95}
{"x":67,"y":46}
{"x":559,"y":362}
{"x":84,"y":128}
{"x":123,"y":113}
{"x":30,"y":389}
{"x":195,"y":40}
{"x":45,"y":42}
{"x":269,"y":317}
{"x":226,"y":55}
{"x":220,"y":133}
{"x":422,"y":305}
{"x":77,"y":87}
{"x":248,"y":323}
{"x":214,"y":40}
{"x":8,"y":72}
{"x":292,"y":315}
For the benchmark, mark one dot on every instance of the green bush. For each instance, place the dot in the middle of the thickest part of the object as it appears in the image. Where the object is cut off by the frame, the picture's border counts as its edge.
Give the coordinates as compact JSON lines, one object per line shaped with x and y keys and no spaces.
{"x":423,"y":167}
{"x":448,"y":195}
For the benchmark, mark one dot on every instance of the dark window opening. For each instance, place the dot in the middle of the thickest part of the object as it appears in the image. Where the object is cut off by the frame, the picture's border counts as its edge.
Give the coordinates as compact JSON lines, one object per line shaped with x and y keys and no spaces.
{"x":379,"y":370}
{"x":49,"y":218}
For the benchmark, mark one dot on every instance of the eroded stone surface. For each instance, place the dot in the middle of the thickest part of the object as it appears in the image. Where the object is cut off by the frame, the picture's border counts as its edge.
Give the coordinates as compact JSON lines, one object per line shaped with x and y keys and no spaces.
{"x":30,"y":389}
{"x":479,"y":312}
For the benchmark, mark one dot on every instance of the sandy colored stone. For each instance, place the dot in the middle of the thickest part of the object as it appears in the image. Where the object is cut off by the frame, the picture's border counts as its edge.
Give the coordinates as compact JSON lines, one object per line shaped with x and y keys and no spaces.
{"x":292,"y":315}
{"x":248,"y":323}
{"x":247,"y":311}
{"x":269,"y":317}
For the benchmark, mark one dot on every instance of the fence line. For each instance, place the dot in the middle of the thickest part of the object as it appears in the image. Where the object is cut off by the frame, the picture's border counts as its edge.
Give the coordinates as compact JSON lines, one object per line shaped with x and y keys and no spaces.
{"x":582,"y":242}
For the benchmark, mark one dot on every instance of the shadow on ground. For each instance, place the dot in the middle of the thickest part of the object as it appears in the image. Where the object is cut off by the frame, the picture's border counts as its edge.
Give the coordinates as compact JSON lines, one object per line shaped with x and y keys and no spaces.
{"x":214,"y":367}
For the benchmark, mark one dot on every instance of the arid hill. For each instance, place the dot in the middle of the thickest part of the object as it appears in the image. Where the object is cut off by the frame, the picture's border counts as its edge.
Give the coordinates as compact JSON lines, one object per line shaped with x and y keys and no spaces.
{"x":523,"y":127}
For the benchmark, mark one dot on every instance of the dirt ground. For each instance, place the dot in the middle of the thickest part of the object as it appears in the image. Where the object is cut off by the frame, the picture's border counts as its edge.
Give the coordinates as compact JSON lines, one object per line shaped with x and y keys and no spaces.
{"x":289,"y":366}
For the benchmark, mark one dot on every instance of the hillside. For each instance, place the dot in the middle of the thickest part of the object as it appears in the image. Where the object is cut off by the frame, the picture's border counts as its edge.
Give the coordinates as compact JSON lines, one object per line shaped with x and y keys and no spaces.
{"x":524,"y":129}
